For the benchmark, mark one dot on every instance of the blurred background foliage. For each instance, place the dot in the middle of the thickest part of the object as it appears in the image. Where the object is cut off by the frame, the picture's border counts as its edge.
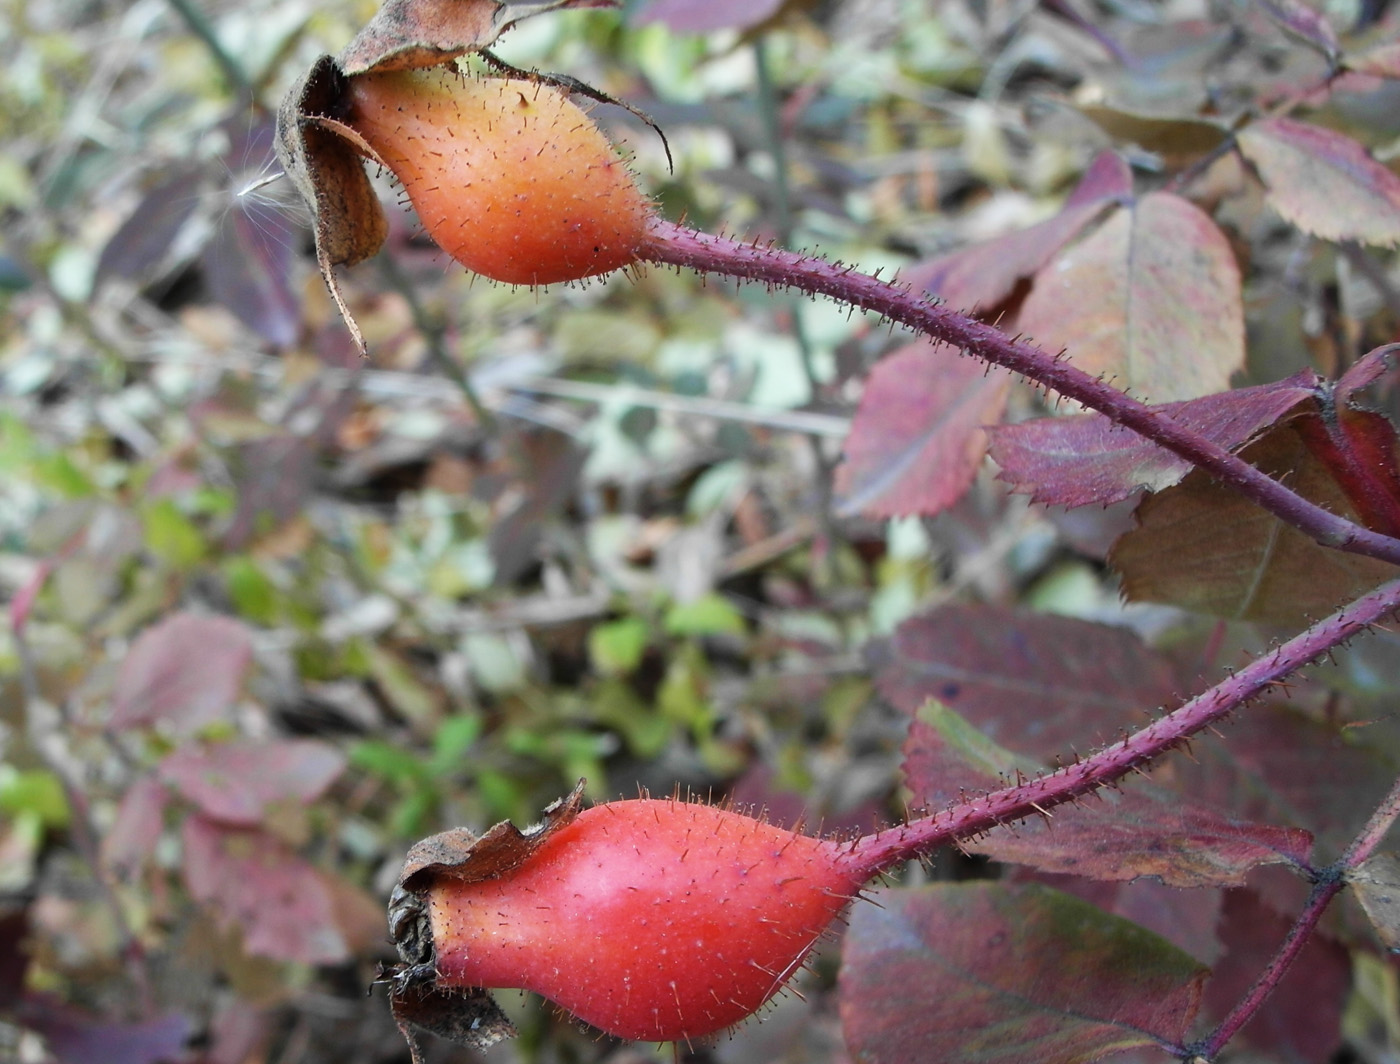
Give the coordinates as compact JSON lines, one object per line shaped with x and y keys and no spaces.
{"x":278,"y":611}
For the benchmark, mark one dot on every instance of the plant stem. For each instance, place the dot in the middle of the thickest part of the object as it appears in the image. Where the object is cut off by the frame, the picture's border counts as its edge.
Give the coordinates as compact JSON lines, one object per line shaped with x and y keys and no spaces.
{"x":1369,"y":838}
{"x":1328,"y":885}
{"x":782,"y":203}
{"x":1322,"y":894}
{"x":232,"y":71}
{"x":678,"y":246}
{"x":884,"y":849}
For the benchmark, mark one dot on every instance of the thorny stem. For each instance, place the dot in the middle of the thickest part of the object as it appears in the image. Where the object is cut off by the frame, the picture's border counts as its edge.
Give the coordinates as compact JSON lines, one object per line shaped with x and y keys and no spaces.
{"x":1327,"y":885}
{"x":886,"y":848}
{"x":433,"y":331}
{"x":232,"y":71}
{"x":676,"y":245}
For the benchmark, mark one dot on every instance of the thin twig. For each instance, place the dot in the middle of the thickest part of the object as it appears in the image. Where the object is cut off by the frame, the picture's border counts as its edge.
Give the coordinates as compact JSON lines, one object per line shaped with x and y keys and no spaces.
{"x":434,"y":334}
{"x":1327,"y":885}
{"x":782,"y":202}
{"x":231,"y":69}
{"x":828,"y":425}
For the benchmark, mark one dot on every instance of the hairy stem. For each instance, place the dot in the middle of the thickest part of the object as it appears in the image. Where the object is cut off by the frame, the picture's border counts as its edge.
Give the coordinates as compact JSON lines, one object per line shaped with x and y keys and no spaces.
{"x":884,"y":849}
{"x":678,"y":246}
{"x":1369,"y":838}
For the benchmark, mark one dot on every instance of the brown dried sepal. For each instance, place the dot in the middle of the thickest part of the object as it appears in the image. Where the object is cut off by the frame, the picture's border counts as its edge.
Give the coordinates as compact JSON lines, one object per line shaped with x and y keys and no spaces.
{"x":322,"y":157}
{"x":467,"y":1017}
{"x":412,"y":34}
{"x":467,"y":858}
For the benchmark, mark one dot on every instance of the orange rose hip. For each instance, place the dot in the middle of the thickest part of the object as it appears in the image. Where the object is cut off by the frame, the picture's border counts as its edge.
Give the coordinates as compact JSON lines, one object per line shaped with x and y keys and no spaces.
{"x":509,"y":176}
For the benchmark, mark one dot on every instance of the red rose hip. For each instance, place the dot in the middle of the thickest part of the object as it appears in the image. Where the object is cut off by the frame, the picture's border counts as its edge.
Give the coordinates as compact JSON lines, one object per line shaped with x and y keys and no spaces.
{"x":649,"y":919}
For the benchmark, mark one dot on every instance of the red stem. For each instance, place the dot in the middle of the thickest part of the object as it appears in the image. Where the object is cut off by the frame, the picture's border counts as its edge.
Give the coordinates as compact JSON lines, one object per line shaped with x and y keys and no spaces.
{"x":885,"y":849}
{"x":1322,"y":895}
{"x":679,"y":246}
{"x":1328,"y":885}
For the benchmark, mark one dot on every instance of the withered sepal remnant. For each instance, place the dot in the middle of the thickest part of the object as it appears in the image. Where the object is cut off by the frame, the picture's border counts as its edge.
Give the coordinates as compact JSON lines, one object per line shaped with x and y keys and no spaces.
{"x":468,"y":1016}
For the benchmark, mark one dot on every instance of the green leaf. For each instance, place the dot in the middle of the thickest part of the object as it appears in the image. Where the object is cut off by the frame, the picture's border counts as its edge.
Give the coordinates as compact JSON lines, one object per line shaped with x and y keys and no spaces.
{"x":616,"y":648}
{"x":36,"y":793}
{"x":390,"y":762}
{"x":681,"y":696}
{"x":171,"y":536}
{"x":454,"y":738}
{"x":59,"y":473}
{"x":710,"y":614}
{"x":253,"y":594}
{"x":618,"y":706}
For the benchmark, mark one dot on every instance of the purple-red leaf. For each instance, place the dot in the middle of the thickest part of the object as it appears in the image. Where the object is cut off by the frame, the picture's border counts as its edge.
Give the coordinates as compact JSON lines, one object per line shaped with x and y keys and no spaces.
{"x":1300,"y":1022}
{"x":1144,"y":832}
{"x":1086,"y":458}
{"x":74,"y":1037}
{"x":983,"y":275}
{"x":248,"y":265}
{"x":1359,"y":449}
{"x":989,"y":973}
{"x":1150,"y":300}
{"x":251,"y":881}
{"x":1246,"y":564}
{"x":1039,"y":682}
{"x":132,"y":838}
{"x":1324,"y":182}
{"x":236,"y":781}
{"x":145,"y":238}
{"x":549,"y":467}
{"x":1140,"y":831}
{"x":917,"y":440}
{"x":1277,"y":766}
{"x":185,"y":671}
{"x":1367,"y":370}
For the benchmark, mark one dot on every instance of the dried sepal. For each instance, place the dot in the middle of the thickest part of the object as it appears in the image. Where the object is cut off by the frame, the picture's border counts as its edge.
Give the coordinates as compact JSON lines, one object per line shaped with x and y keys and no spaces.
{"x":466,"y":1017}
{"x":580,"y":88}
{"x":322,"y":157}
{"x":460,"y":855}
{"x":412,"y":34}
